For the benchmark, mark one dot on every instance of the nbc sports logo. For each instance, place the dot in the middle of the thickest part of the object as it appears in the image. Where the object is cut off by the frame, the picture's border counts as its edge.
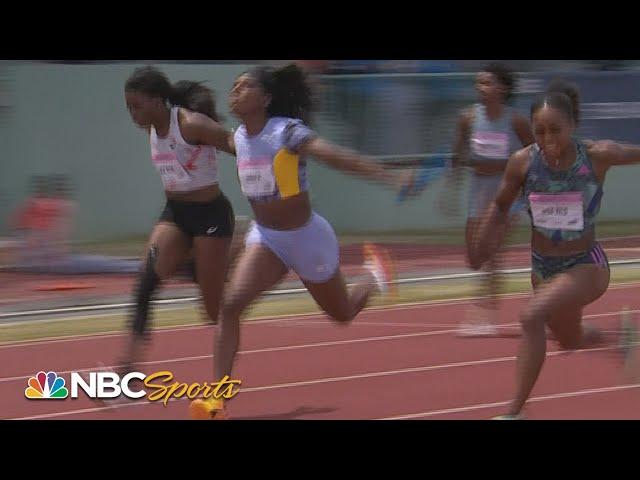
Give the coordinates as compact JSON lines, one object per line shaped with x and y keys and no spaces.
{"x":111,"y":385}
{"x":46,"y":386}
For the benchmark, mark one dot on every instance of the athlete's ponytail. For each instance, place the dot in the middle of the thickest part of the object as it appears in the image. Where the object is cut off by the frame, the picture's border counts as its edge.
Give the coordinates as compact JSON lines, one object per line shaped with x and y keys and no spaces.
{"x":191,"y":95}
{"x":290,"y":92}
{"x":194,"y":96}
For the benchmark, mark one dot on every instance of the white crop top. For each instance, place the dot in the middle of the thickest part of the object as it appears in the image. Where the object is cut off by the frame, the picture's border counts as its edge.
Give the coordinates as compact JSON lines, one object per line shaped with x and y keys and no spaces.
{"x":183,"y":167}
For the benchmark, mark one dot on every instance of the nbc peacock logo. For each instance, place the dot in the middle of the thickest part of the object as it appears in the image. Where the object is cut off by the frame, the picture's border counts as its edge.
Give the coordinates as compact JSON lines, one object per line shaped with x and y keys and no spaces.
{"x":46,"y":386}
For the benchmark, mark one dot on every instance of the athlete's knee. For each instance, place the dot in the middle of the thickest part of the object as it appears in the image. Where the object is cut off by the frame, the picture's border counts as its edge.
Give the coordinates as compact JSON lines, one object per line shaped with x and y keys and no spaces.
{"x":233,"y":306}
{"x":532,"y":319}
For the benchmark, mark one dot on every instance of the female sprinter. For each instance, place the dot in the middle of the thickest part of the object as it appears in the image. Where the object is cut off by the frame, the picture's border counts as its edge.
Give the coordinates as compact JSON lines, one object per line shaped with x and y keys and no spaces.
{"x":270,"y":146}
{"x":184,"y":134}
{"x":562,"y":178}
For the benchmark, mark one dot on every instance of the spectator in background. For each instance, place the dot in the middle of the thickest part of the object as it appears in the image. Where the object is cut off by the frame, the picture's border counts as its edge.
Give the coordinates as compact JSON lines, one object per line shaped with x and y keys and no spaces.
{"x":43,"y":227}
{"x":33,"y":223}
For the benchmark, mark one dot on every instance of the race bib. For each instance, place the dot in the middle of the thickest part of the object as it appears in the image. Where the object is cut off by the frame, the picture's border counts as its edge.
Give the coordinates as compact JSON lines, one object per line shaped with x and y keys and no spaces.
{"x":172,"y":173}
{"x":563,"y":211}
{"x":491,"y":145}
{"x":257,"y":180}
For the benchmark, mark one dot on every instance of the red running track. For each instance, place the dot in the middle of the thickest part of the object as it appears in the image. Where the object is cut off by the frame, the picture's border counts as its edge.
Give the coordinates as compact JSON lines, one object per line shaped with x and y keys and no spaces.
{"x":400,"y":362}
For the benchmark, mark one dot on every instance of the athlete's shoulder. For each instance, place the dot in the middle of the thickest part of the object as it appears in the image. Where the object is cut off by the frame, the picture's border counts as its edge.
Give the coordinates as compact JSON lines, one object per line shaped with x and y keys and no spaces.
{"x":273,"y":121}
{"x":284,"y":122}
{"x":518,"y":164}
{"x":296,"y":132}
{"x":189,"y":117}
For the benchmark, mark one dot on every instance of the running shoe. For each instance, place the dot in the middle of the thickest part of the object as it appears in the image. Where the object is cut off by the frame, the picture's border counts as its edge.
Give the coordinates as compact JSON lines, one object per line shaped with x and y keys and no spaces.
{"x":477,"y":324}
{"x":378,"y":261}
{"x":207,"y":409}
{"x":519,"y":416}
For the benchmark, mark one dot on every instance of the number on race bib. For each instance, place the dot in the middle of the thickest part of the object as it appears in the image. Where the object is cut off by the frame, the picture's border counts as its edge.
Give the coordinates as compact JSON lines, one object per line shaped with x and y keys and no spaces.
{"x":257,"y":181}
{"x":563,"y":211}
{"x":171,"y":172}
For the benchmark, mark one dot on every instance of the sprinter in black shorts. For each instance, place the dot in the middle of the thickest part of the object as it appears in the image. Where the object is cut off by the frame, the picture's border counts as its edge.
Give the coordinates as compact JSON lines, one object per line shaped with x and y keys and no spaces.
{"x":198,"y":219}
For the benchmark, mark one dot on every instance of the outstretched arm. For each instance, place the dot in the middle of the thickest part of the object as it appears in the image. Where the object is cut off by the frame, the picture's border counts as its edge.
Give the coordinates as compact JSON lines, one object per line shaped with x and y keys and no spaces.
{"x":609,"y":154}
{"x":349,"y":161}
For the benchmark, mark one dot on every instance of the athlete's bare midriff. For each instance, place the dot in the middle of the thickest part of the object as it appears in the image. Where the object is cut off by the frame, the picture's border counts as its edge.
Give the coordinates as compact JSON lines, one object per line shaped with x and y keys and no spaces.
{"x":285,"y":214}
{"x":547,"y":248}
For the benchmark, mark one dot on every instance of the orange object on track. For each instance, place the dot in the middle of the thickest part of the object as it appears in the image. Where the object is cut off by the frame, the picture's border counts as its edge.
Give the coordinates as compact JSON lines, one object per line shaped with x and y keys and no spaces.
{"x":57,"y":286}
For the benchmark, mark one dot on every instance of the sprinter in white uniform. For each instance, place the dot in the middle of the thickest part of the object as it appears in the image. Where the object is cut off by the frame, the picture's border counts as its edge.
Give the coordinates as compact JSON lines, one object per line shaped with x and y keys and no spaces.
{"x":271,"y":145}
{"x":488,"y":133}
{"x":184,"y":134}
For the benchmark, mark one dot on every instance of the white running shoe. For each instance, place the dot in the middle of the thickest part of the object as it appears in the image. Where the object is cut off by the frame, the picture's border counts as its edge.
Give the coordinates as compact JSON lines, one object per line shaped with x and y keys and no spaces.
{"x":378,"y":261}
{"x":477,"y":324}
